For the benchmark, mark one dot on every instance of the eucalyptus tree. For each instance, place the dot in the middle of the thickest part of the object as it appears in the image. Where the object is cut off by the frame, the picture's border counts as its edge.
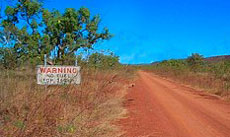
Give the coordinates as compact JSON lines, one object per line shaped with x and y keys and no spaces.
{"x":72,"y":30}
{"x":28,"y":31}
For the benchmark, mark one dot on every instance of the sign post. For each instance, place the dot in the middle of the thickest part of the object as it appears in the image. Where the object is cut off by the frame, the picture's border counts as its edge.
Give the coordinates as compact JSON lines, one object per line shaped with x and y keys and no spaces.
{"x":45,"y":64}
{"x":45,"y":60}
{"x":76,"y":61}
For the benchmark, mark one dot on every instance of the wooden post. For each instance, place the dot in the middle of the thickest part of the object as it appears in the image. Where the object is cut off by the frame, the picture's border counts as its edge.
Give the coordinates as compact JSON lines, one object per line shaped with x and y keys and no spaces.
{"x":45,"y":64}
{"x":76,"y":61}
{"x":45,"y":60}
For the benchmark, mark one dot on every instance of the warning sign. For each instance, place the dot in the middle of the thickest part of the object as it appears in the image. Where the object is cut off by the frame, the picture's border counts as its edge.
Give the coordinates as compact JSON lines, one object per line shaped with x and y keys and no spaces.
{"x":58,"y":75}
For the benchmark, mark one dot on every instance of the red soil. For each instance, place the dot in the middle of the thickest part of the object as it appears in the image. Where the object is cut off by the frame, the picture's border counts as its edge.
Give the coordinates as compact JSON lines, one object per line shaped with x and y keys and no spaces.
{"x":161,"y":108}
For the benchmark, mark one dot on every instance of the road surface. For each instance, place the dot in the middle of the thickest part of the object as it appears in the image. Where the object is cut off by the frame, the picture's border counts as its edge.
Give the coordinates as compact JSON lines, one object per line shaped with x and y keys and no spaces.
{"x":161,"y":108}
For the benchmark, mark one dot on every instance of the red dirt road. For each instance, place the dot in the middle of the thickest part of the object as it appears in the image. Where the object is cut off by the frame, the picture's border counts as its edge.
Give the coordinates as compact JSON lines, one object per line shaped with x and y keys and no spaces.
{"x":161,"y":108}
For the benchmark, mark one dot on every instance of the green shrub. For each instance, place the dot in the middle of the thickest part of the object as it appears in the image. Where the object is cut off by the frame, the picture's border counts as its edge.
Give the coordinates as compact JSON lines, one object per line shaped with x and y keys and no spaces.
{"x":174,"y":64}
{"x":221,"y":70}
{"x":196,"y":62}
{"x":7,"y":58}
{"x":99,"y":60}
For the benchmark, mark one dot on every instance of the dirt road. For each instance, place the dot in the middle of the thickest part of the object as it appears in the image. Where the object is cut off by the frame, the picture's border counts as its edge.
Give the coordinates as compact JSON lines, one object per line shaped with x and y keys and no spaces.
{"x":162,"y":108}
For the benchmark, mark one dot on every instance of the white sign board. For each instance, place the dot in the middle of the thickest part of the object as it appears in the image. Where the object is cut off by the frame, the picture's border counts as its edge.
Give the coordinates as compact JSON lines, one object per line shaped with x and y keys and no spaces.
{"x":58,"y":75}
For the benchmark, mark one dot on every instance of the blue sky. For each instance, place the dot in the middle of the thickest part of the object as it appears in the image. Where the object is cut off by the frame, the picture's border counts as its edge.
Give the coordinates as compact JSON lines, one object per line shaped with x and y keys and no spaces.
{"x":152,"y":30}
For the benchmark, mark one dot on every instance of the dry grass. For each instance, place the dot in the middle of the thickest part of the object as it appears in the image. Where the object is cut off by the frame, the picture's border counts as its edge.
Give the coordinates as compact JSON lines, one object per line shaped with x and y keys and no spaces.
{"x":205,"y":81}
{"x":86,"y":110}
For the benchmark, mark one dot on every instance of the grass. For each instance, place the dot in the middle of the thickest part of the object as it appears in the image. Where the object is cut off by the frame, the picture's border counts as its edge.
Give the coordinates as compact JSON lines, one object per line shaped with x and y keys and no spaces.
{"x":86,"y":110}
{"x":204,"y":80}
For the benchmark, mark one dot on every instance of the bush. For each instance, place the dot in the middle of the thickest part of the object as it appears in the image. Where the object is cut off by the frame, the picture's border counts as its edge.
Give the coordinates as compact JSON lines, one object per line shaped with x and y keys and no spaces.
{"x":196,"y":62}
{"x":99,"y":60}
{"x":174,"y":64}
{"x":8,"y":58}
{"x":221,"y":70}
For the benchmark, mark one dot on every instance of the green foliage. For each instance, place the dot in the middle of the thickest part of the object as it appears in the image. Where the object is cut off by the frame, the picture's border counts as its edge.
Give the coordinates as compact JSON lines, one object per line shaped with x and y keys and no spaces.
{"x":196,"y":62}
{"x":99,"y":60}
{"x":72,"y":30}
{"x":174,"y":64}
{"x":24,"y":41}
{"x":221,"y":70}
{"x":47,"y":31}
{"x":8,"y":58}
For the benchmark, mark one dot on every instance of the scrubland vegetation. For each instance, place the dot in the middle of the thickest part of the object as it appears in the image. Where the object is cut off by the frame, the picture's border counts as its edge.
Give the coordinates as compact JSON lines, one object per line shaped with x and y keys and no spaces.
{"x":86,"y":110}
{"x":28,"y":31}
{"x":197,"y":72}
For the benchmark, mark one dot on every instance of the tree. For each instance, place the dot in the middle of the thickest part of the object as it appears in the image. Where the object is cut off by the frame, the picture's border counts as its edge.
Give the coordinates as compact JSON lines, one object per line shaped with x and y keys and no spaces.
{"x":99,"y":60}
{"x":72,"y":30}
{"x":19,"y":31}
{"x":32,"y":31}
{"x":195,"y":61}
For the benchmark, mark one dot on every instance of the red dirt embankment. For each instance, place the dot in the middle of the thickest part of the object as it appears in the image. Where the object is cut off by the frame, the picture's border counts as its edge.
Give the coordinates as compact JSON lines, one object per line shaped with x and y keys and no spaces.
{"x":161,"y":108}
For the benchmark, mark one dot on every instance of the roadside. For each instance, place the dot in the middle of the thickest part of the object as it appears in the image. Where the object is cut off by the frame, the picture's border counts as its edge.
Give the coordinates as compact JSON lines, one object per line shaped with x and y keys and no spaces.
{"x":86,"y":110}
{"x":161,"y":108}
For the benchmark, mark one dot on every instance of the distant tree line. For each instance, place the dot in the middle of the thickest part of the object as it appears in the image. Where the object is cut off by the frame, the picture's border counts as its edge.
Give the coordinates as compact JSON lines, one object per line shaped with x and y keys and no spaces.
{"x":195,"y":63}
{"x":211,"y":74}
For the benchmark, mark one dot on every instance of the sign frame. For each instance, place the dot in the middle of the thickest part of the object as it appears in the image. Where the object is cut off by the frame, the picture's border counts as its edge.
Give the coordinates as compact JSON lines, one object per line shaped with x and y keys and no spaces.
{"x":56,"y":78}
